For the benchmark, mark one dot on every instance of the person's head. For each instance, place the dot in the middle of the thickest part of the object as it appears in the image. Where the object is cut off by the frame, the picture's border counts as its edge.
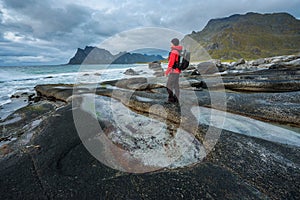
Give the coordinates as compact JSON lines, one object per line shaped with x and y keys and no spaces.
{"x":175,"y":42}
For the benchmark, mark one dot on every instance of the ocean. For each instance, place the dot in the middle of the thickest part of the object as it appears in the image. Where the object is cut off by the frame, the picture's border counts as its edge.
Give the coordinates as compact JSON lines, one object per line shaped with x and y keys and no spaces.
{"x":22,"y":79}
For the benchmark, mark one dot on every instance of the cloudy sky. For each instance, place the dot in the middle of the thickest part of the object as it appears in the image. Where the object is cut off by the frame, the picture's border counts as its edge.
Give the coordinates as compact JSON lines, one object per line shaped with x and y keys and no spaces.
{"x":50,"y":31}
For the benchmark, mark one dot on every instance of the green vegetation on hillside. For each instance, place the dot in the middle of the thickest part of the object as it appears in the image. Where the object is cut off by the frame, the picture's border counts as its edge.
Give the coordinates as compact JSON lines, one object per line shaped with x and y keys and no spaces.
{"x":248,"y":36}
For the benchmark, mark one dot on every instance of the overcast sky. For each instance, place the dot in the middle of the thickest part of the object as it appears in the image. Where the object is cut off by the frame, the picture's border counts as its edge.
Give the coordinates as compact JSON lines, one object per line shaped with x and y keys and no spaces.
{"x":50,"y":31}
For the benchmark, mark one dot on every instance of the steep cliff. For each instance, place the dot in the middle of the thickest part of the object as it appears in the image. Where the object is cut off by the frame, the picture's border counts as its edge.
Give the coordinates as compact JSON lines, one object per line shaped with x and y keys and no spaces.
{"x":251,"y":35}
{"x":95,"y":55}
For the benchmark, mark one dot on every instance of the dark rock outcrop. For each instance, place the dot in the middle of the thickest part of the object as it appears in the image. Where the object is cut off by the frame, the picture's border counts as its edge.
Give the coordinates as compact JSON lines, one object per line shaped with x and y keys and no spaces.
{"x":91,"y":55}
{"x":49,"y":172}
{"x":238,"y":166}
{"x":157,"y":68}
{"x":207,"y":68}
{"x":22,"y":95}
{"x":47,"y":158}
{"x":130,"y":72}
{"x":54,"y":92}
{"x":264,"y":106}
{"x":156,"y":65}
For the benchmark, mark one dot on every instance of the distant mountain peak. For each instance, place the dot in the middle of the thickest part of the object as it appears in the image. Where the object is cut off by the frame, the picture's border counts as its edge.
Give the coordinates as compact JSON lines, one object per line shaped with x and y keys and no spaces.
{"x":95,"y":55}
{"x":250,"y":35}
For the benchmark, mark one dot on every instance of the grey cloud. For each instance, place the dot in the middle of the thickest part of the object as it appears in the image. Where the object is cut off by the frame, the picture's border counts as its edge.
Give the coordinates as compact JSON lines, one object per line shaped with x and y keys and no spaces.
{"x":195,"y":14}
{"x":19,"y":4}
{"x":1,"y":16}
{"x":140,"y":38}
{"x":54,"y":29}
{"x":10,"y":52}
{"x":44,"y":18}
{"x":59,"y":29}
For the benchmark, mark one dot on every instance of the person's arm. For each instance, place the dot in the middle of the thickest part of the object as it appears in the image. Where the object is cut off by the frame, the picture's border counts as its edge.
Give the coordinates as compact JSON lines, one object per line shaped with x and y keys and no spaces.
{"x":171,"y":63}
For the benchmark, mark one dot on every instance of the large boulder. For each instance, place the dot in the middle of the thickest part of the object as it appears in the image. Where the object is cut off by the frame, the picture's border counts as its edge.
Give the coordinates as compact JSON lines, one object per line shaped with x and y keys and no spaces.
{"x":258,"y":62}
{"x":239,"y":62}
{"x":157,"y":68}
{"x":154,"y":65}
{"x":130,"y":71}
{"x":54,"y":92}
{"x":207,"y":68}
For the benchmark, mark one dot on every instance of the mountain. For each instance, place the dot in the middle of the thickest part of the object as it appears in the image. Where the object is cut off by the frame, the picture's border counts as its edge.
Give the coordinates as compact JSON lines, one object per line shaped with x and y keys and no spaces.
{"x":95,"y":55}
{"x":250,"y":36}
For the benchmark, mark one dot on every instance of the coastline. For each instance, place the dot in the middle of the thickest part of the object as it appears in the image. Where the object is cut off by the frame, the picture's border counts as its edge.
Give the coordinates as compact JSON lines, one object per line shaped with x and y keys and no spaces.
{"x":57,"y":163}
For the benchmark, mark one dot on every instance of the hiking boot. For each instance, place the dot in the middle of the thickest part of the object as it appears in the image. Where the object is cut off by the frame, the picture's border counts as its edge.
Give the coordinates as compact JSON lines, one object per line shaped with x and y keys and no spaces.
{"x":171,"y":100}
{"x":176,"y":100}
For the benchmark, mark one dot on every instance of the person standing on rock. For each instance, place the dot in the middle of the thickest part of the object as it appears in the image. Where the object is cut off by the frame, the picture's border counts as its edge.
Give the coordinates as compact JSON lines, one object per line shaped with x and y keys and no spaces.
{"x":173,"y":71}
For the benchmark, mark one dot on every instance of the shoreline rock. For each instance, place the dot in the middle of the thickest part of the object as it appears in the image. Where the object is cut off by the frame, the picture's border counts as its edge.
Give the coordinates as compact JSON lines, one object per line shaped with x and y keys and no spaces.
{"x":157,"y":68}
{"x":47,"y":166}
{"x":271,"y":107}
{"x":42,"y":151}
{"x":131,"y":72}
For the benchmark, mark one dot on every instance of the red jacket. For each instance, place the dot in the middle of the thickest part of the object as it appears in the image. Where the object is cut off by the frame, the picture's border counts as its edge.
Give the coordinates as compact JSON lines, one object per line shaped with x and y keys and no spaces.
{"x":173,"y":57}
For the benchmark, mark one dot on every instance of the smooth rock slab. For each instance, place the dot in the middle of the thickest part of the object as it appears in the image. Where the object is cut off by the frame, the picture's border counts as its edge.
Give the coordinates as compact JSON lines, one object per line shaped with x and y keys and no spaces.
{"x":151,"y":143}
{"x":62,"y":169}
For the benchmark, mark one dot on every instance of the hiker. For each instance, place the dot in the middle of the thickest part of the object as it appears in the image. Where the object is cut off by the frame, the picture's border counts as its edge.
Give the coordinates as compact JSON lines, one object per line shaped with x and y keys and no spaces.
{"x":173,"y":71}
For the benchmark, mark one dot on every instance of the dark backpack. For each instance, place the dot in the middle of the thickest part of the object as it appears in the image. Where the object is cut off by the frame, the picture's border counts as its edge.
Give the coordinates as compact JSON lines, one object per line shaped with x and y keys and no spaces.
{"x":183,"y":60}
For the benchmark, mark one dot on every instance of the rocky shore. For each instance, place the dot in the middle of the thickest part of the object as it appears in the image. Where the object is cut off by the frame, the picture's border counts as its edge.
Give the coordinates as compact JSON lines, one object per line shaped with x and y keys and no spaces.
{"x":120,"y":139}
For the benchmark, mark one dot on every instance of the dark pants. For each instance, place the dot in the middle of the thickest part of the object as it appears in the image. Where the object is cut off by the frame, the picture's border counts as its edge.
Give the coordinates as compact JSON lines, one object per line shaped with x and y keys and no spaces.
{"x":173,"y":86}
